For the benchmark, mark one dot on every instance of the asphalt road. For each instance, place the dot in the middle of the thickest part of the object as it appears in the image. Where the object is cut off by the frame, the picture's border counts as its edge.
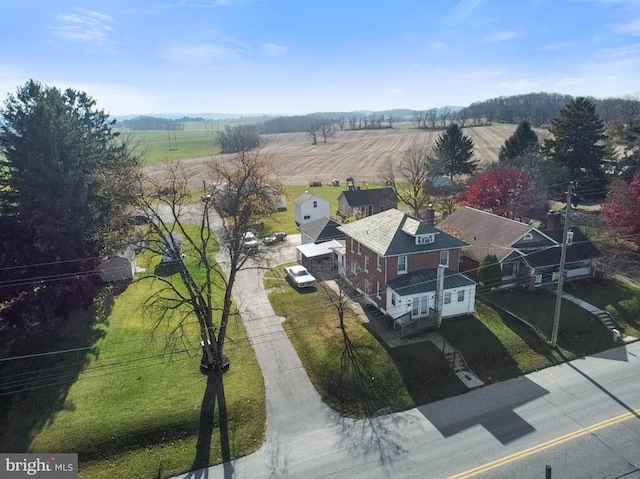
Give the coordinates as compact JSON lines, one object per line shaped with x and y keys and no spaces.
{"x":581,"y":418}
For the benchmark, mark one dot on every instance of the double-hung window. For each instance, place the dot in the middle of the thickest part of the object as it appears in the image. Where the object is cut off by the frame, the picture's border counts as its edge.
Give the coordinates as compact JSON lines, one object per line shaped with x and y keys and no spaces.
{"x":444,"y":257}
{"x":402,"y":264}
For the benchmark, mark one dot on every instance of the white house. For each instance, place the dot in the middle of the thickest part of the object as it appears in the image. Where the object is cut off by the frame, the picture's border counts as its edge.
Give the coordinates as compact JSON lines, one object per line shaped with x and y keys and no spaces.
{"x":309,"y":207}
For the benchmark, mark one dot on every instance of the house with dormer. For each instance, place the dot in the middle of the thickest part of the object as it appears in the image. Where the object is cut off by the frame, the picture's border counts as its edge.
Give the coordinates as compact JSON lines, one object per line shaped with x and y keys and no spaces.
{"x":528,"y":256}
{"x":406,"y":268}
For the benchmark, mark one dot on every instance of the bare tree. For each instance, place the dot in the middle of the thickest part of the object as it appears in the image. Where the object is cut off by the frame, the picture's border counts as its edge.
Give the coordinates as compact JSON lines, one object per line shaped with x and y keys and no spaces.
{"x":409,"y":176}
{"x":326,"y":129}
{"x":418,"y":118}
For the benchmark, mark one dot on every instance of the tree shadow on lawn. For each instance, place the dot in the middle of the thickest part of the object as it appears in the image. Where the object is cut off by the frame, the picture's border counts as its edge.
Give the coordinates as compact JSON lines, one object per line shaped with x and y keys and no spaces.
{"x":213,"y":392}
{"x":34,"y":389}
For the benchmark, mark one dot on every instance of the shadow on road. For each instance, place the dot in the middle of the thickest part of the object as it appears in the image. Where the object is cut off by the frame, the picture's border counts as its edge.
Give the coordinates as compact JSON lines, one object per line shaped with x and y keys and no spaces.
{"x":492,"y":408}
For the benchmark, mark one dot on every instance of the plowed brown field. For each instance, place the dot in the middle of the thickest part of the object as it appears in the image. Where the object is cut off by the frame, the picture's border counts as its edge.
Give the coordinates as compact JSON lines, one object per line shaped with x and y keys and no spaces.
{"x":355,"y":153}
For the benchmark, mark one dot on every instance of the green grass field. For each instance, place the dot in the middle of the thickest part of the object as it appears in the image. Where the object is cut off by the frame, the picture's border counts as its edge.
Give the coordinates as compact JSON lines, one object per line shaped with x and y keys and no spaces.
{"x":134,"y":410}
{"x":195,"y":140}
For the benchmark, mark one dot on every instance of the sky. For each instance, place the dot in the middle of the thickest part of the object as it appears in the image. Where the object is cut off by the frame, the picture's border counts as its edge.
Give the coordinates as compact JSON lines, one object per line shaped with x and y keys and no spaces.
{"x":304,"y":56}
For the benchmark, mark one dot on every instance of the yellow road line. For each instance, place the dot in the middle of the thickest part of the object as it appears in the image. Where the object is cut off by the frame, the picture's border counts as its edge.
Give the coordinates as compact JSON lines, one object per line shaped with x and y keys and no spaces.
{"x":545,"y":445}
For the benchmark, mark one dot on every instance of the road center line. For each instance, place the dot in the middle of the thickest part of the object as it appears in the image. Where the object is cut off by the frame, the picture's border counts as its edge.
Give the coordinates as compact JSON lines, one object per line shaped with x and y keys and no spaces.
{"x":546,"y":445}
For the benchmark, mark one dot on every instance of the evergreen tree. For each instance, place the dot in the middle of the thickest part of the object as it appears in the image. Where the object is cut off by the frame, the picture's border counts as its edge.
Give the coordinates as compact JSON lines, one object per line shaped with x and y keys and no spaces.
{"x":523,"y":142}
{"x":489,"y":271}
{"x":454,"y":150}
{"x":64,"y":198}
{"x":577,"y":144}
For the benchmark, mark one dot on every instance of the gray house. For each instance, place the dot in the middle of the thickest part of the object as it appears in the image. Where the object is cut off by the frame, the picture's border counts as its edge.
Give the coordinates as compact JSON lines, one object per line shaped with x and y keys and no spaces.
{"x":363,"y":203}
{"x":528,"y":257}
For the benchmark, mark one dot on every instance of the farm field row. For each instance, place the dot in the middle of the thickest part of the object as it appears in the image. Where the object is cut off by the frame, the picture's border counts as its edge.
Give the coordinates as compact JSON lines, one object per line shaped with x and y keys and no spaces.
{"x":354,"y":153}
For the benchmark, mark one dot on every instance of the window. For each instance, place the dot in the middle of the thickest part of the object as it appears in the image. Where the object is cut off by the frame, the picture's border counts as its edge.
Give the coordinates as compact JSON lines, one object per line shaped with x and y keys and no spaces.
{"x":378,"y":290}
{"x":358,"y":245}
{"x":393,"y":299}
{"x":402,"y":264}
{"x":315,"y":204}
{"x":379,"y":261}
{"x":460,"y":296}
{"x":307,"y":217}
{"x":354,"y":268}
{"x":366,"y":263}
{"x":366,"y":287}
{"x":425,"y":239}
{"x":416,"y":305}
{"x":444,"y":257}
{"x":352,"y":242}
{"x":447,"y":297}
{"x":528,"y":236}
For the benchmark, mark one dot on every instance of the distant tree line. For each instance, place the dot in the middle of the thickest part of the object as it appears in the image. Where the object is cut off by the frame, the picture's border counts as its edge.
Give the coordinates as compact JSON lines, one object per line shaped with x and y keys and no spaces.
{"x":146,"y":123}
{"x":540,"y":109}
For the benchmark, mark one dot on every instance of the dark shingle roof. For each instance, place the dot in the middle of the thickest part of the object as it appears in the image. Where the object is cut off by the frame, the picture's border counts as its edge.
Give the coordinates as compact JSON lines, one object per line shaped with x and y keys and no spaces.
{"x":581,"y":249}
{"x":375,"y":196}
{"x":322,"y":229}
{"x":383,"y":234}
{"x":424,"y":281}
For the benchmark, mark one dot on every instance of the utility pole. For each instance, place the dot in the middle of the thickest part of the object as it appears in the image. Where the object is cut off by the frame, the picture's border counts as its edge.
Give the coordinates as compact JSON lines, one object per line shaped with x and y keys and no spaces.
{"x":563,"y":256}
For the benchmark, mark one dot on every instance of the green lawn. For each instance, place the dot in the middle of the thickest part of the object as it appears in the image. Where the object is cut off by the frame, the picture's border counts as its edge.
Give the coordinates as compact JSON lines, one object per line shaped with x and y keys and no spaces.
{"x":366,"y":379}
{"x":579,"y":332}
{"x":194,"y":141}
{"x":134,"y":410}
{"x":619,"y":298}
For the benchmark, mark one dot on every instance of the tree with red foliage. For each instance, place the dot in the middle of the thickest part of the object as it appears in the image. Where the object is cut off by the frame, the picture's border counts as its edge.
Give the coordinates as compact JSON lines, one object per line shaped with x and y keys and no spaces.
{"x":503,"y":192}
{"x":622,"y":212}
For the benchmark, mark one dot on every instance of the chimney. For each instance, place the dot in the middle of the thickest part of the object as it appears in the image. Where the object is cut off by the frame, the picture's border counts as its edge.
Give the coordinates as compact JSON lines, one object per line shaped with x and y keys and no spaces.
{"x":554,"y":219}
{"x":431,"y":215}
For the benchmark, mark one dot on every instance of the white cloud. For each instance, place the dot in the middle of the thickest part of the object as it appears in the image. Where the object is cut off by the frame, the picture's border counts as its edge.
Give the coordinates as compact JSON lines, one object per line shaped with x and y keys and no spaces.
{"x":397,"y":91}
{"x":462,"y":10}
{"x":88,"y":27}
{"x":632,"y":27}
{"x":501,"y":36}
{"x":273,"y":50}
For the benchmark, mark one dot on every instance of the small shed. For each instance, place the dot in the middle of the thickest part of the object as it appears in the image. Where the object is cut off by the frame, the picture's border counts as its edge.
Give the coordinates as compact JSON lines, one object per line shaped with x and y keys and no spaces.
{"x":118,"y":266}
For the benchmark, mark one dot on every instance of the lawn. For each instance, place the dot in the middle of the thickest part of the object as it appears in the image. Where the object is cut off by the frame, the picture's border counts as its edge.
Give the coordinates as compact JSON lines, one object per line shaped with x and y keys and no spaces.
{"x":621,"y":299}
{"x":579,"y":332}
{"x":134,"y":410}
{"x":192,"y":142}
{"x":366,"y":379}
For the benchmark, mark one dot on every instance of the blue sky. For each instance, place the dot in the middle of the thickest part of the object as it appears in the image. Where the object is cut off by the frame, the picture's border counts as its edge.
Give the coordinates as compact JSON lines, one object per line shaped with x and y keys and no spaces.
{"x":303,"y":56}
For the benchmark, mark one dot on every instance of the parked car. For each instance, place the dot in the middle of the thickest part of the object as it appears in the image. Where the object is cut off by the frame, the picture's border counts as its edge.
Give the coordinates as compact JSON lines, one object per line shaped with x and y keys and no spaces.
{"x":300,"y":276}
{"x":270,"y":240}
{"x":280,"y":235}
{"x":249,"y":241}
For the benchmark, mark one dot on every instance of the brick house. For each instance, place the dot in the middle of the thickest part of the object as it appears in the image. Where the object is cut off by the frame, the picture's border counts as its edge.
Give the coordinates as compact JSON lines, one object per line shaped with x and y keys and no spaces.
{"x":407,"y":268}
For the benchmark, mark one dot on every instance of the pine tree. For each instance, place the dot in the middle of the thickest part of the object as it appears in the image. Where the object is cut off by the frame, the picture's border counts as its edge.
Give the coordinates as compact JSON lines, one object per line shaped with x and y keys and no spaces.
{"x":454,"y":150}
{"x":577,"y":144}
{"x":523,"y":142}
